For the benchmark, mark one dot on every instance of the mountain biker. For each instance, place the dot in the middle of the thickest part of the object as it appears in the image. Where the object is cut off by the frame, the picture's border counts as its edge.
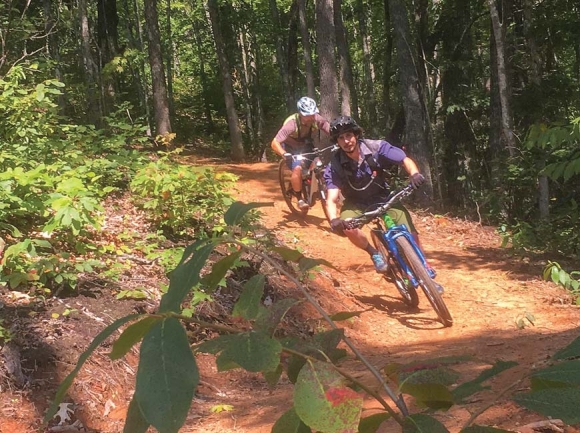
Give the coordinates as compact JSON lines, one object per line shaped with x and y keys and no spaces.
{"x":295,"y":137}
{"x":356,"y":171}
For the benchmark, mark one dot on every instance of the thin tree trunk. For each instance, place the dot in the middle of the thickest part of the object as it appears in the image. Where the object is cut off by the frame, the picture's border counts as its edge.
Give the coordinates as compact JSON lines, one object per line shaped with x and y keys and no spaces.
{"x":293,"y":50}
{"x":416,"y":128}
{"x":329,"y":105}
{"x":347,"y":92}
{"x":160,"y":101}
{"x":94,"y":111}
{"x":243,"y":47}
{"x":388,"y":57}
{"x":506,"y":121}
{"x":227,"y":87}
{"x":370,"y":103}
{"x":108,"y":42}
{"x":281,"y":55}
{"x":205,"y":91}
{"x":170,"y":59}
{"x":52,"y":48}
{"x":306,"y":48}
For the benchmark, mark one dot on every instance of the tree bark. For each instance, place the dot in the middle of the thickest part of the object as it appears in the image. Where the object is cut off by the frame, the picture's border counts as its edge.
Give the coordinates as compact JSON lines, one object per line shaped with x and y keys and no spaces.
{"x":170,"y":58}
{"x":306,"y":48}
{"x":205,"y":90}
{"x":227,"y":87}
{"x":348,"y":98}
{"x":281,"y":58}
{"x":416,"y":128}
{"x":94,"y":109}
{"x":160,"y":100}
{"x":329,"y":105}
{"x":370,"y":105}
{"x":388,"y":57}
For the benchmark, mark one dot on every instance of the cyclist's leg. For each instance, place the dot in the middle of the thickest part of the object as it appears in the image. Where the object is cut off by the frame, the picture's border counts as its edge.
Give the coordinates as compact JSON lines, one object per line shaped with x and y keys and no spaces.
{"x":295,"y":167}
{"x":359,"y":239}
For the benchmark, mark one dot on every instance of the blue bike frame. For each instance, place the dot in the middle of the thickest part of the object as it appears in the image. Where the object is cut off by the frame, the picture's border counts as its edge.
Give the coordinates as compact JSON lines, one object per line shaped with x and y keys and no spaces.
{"x":389,"y":237}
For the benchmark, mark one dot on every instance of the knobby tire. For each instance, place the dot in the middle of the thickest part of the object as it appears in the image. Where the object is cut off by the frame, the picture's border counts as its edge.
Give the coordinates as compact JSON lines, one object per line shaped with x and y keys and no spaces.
{"x":395,"y":273}
{"x":425,"y":281}
{"x":284,"y":175}
{"x":323,"y":194}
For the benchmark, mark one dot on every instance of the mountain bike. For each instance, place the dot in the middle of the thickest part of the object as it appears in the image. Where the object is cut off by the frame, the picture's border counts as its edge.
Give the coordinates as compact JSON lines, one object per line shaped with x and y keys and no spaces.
{"x":313,"y":186}
{"x":407,"y":266}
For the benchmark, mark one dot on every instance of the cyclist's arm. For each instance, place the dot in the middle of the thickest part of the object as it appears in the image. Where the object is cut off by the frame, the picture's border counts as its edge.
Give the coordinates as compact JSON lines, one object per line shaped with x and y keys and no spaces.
{"x":332,"y":203}
{"x":410,"y":166}
{"x":277,"y":147}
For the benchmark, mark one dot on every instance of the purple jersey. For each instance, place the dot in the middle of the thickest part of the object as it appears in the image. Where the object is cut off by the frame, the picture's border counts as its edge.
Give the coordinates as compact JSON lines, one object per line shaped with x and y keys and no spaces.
{"x":357,"y":180}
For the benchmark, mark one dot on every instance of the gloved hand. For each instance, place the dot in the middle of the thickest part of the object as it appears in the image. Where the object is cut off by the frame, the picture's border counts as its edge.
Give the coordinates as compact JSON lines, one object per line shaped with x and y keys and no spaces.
{"x":417,"y":180}
{"x":337,"y":225}
{"x":288,"y":157}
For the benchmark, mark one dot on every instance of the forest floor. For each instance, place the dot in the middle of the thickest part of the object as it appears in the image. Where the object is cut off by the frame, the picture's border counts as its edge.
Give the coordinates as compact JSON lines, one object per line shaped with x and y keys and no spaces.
{"x":488,"y":291}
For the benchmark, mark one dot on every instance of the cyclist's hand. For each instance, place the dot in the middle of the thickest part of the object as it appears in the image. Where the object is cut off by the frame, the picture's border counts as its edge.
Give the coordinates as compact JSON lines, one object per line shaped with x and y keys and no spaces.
{"x":337,"y":225}
{"x":288,"y":157}
{"x":417,"y":180}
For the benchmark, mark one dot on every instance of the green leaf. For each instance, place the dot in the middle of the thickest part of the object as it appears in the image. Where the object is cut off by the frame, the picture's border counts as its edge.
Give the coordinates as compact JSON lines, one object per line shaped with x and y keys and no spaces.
{"x":306,"y":263}
{"x":219,"y":270}
{"x":468,"y":388}
{"x":432,"y":395}
{"x":273,"y":377}
{"x":253,"y":351}
{"x":238,"y":209}
{"x":269,"y":318}
{"x":250,"y":301}
{"x":135,"y":423}
{"x":185,"y":275}
{"x":570,"y":351}
{"x":131,"y":336}
{"x":345,"y":315}
{"x":371,"y":423}
{"x":216,"y":345}
{"x":483,"y":429}
{"x":419,"y":423}
{"x":324,"y":402}
{"x":167,"y":376}
{"x":290,"y":422}
{"x":67,"y":382}
{"x":560,"y":375}
{"x":288,"y":254}
{"x":561,"y":403}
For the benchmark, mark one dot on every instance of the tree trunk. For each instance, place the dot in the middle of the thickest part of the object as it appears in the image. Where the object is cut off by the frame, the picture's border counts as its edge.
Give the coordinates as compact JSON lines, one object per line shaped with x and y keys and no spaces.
{"x":370,"y":105}
{"x":306,"y":48}
{"x":52,"y":48}
{"x":227,"y":87}
{"x":160,"y":101}
{"x":281,"y":56}
{"x":416,"y":128}
{"x":169,"y":59}
{"x":293,"y":51}
{"x":205,"y":90}
{"x":507,"y":133}
{"x":108,"y":42}
{"x":388,"y":57}
{"x":329,"y":105}
{"x":347,"y":91}
{"x":94,"y":111}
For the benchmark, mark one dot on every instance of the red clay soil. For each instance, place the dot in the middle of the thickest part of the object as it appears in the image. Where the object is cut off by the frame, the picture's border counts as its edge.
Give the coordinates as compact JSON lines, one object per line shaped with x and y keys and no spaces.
{"x":488,"y":290}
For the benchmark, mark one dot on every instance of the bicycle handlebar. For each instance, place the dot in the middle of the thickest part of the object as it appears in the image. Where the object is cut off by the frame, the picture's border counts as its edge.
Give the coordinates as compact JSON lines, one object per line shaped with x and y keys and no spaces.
{"x":358,"y":222}
{"x":315,"y":152}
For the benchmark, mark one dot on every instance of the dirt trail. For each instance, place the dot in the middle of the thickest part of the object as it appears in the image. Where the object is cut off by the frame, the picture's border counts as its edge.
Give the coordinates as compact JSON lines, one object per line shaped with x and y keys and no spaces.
{"x":487,"y":291}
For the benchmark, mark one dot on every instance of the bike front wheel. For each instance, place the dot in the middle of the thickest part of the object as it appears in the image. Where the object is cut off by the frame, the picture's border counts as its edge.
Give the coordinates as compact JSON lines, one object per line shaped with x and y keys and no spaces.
{"x":322,"y":193}
{"x":285,"y":175}
{"x":425,"y":281}
{"x":395,"y":273}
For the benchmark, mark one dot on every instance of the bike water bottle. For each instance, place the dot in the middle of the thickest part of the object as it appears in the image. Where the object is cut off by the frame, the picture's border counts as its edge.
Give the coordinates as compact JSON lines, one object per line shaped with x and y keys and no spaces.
{"x":389,"y":222}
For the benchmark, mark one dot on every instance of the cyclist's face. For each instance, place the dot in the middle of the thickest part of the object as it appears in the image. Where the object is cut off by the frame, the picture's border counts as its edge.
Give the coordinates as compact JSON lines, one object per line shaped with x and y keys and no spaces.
{"x":347,"y":141}
{"x":307,"y":120}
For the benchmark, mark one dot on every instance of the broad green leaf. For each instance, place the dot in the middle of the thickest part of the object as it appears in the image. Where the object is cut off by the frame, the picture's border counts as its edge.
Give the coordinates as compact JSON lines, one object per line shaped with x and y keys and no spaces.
{"x":167,"y":376}
{"x":371,"y":424}
{"x":250,"y":301}
{"x":432,"y":395}
{"x":272,"y":377}
{"x":269,"y":318}
{"x":67,"y":382}
{"x":345,"y":315}
{"x":561,"y":403}
{"x":185,"y":275}
{"x":306,"y":263}
{"x":238,"y":209}
{"x":253,"y":351}
{"x":131,"y":336}
{"x":570,"y":351}
{"x":290,"y":422}
{"x":135,"y":423}
{"x":483,"y":429}
{"x":419,"y":423}
{"x":324,"y":402}
{"x":216,"y":345}
{"x":288,"y":254}
{"x":219,"y":270}
{"x":469,"y":388}
{"x":556,"y":376}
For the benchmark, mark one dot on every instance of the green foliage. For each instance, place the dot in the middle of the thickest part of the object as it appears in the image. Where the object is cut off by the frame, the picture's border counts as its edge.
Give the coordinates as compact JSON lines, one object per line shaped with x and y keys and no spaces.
{"x":570,"y":281}
{"x":185,"y":199}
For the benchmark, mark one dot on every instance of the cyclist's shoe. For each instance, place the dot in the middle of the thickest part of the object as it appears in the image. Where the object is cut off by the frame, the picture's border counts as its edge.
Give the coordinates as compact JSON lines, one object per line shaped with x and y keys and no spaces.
{"x":380,"y":265}
{"x":302,"y":205}
{"x":439,"y":288}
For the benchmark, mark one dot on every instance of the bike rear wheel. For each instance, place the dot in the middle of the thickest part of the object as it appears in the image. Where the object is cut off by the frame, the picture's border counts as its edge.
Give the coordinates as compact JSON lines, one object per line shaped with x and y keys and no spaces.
{"x":323,"y":194}
{"x":425,"y":281}
{"x":284,"y":176}
{"x":407,"y":291}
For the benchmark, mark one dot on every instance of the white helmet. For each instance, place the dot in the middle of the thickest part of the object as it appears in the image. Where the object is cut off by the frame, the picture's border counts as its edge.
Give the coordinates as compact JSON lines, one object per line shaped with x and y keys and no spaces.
{"x":307,"y":106}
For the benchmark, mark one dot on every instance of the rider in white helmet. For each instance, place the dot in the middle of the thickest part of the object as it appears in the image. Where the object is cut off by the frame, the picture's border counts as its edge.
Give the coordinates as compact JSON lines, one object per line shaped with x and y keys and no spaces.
{"x":295,"y":137}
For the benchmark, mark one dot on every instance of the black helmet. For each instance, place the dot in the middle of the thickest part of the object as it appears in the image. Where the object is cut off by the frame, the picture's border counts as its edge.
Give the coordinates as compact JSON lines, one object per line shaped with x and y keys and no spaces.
{"x":343,"y":124}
